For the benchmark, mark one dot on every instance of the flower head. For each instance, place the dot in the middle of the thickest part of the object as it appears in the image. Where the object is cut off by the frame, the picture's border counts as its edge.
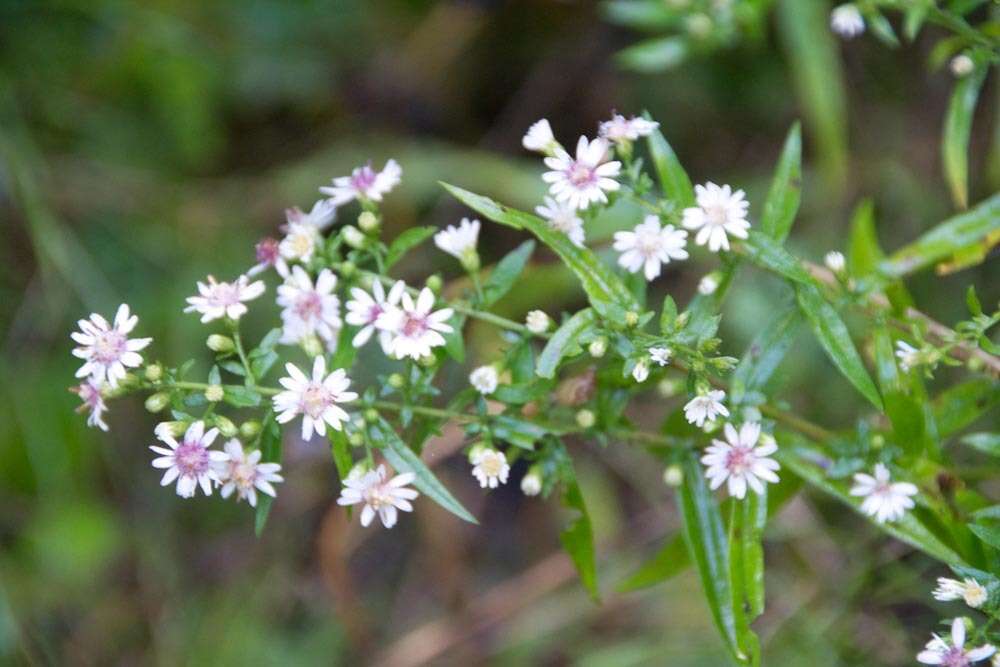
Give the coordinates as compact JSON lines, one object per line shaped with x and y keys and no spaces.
{"x":883,"y":499}
{"x":309,"y":308}
{"x":106,"y":348}
{"x":243,"y":473}
{"x":300,"y":242}
{"x":490,"y":467}
{"x":415,"y":328}
{"x":971,"y":591}
{"x":539,"y":138}
{"x":460,"y":242}
{"x":267,"y":252}
{"x":741,"y":461}
{"x":648,"y":246}
{"x":939,"y":652}
{"x":908,"y":356}
{"x":380,"y":495}
{"x":640,"y":371}
{"x":320,"y":216}
{"x":660,"y":355}
{"x":705,"y":407}
{"x":531,"y":483}
{"x":585,"y":179}
{"x":835,"y":261}
{"x":216,"y":300}
{"x":620,"y":129}
{"x":363,"y":310}
{"x":190,"y":461}
{"x":846,"y":21}
{"x":484,"y":379}
{"x":93,"y":403}
{"x":364,"y":183}
{"x":719,"y":212}
{"x":537,"y":321}
{"x":562,"y":217}
{"x":317,"y":399}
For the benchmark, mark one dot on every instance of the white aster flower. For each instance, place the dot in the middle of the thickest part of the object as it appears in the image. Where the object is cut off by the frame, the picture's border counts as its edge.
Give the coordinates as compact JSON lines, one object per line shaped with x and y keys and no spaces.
{"x":621,"y":129}
{"x":93,"y":403}
{"x":939,"y":652}
{"x":316,"y":399}
{"x":883,"y":499}
{"x":562,"y":217}
{"x":106,"y":348}
{"x":490,"y":467}
{"x":908,"y":355}
{"x":741,"y":461}
{"x":321,"y":216}
{"x":309,"y":308}
{"x":380,"y":495}
{"x":459,"y":242}
{"x":660,"y":355}
{"x":585,"y":179}
{"x":300,"y":242}
{"x":539,"y":138}
{"x":846,"y":21}
{"x":244,"y":473}
{"x":971,"y":591}
{"x":835,"y":261}
{"x":190,"y":461}
{"x":415,"y":329}
{"x":705,"y":407}
{"x":364,"y":183}
{"x":485,"y":379}
{"x":537,"y":322}
{"x":649,"y":246}
{"x":708,"y":284}
{"x":719,"y":212}
{"x":216,"y":300}
{"x":364,"y":309}
{"x":641,"y":371}
{"x":531,"y":483}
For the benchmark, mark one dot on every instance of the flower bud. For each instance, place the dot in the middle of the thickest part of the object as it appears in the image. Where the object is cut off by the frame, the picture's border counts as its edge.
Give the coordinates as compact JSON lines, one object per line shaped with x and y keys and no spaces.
{"x":312,"y":346}
{"x":353,"y":237}
{"x":835,"y":262}
{"x":347,"y":269}
{"x":220,"y":343}
{"x":158,"y":401}
{"x":250,"y":429}
{"x":673,"y":476}
{"x":428,"y":361}
{"x":641,"y":371}
{"x":631,"y":318}
{"x":878,"y":441}
{"x":962,"y":65}
{"x":598,"y":347}
{"x":371,"y":415}
{"x":396,"y":381}
{"x":174,"y":429}
{"x":130,"y":381}
{"x":368,"y":222}
{"x":434,"y":283}
{"x":214,"y":393}
{"x":699,"y":25}
{"x":709,"y":283}
{"x":531,"y":483}
{"x":974,"y":364}
{"x":669,"y":387}
{"x":537,"y":322}
{"x":355,"y":439}
{"x":585,"y":418}
{"x":154,"y":372}
{"x":226,"y":426}
{"x":470,"y":259}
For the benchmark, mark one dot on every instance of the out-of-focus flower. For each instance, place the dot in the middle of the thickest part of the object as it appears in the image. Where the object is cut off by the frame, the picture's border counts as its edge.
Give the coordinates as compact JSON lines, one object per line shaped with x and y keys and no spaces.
{"x":939,"y":652}
{"x":93,"y":403}
{"x":485,"y":380}
{"x":379,"y":495}
{"x":364,"y":183}
{"x":563,"y":217}
{"x":883,"y":499}
{"x":705,"y":407}
{"x":364,"y":309}
{"x":490,"y":467}
{"x":846,"y":21}
{"x":309,"y":309}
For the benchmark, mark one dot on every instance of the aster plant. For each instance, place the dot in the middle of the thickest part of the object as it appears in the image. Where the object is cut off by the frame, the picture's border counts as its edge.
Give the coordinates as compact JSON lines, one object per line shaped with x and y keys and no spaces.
{"x":730,"y":448}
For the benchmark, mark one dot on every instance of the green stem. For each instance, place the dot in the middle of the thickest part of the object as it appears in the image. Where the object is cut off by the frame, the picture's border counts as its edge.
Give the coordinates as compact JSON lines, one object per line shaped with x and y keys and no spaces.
{"x":238,"y":342}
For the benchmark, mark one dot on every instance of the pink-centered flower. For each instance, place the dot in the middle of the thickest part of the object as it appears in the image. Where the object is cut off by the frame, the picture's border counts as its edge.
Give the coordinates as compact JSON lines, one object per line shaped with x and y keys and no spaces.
{"x":584,"y":179}
{"x":380,"y":495}
{"x":317,"y":398}
{"x":740,"y":461}
{"x":243,"y":473}
{"x":884,"y":499}
{"x":364,"y":310}
{"x":415,"y":326}
{"x":189,"y":461}
{"x":939,"y":652}
{"x":563,"y":217}
{"x":621,"y":129}
{"x":93,"y":403}
{"x":216,"y":300}
{"x":364,"y":183}
{"x":309,"y":308}
{"x":649,"y":246}
{"x":106,"y":349}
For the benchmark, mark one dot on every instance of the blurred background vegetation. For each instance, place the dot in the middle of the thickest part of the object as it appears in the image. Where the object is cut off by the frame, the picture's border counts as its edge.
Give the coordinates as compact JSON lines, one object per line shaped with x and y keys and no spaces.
{"x":145,"y":144}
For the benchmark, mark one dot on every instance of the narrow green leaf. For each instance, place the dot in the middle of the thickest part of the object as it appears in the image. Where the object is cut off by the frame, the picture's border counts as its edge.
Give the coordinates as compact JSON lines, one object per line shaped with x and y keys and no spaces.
{"x":518,"y":432}
{"x":578,"y":537}
{"x":506,"y":273}
{"x":340,"y":448}
{"x":905,"y":412}
{"x":764,"y":354}
{"x":833,"y":336}
{"x":767,"y":253}
{"x":270,"y":449}
{"x":956,"y":132}
{"x":864,"y":254}
{"x":673,"y":179}
{"x":654,"y":55}
{"x":668,"y":315}
{"x":990,"y":535}
{"x":882,"y":29}
{"x":782,"y":201}
{"x":746,"y":553}
{"x":962,"y":404}
{"x":669,"y":561}
{"x":988,"y":443}
{"x":563,"y":341}
{"x":405,"y":242}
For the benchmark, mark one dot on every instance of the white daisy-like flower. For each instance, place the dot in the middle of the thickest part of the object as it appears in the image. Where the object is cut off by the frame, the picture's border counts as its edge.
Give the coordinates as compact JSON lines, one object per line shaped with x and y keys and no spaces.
{"x":267,"y":252}
{"x":539,"y":138}
{"x":563,"y":217}
{"x":317,"y":399}
{"x":190,"y":461}
{"x":537,"y":322}
{"x":321,"y":216}
{"x":531,"y":483}
{"x":939,"y":652}
{"x":705,"y":407}
{"x":908,"y":355}
{"x":216,"y":300}
{"x":585,"y":179}
{"x":485,"y":379}
{"x":641,"y":371}
{"x":244,"y":473}
{"x":106,"y":349}
{"x":649,"y":246}
{"x":363,"y":310}
{"x":309,"y":308}
{"x":490,"y":467}
{"x":969,"y":590}
{"x":364,"y":183}
{"x":459,"y":242}
{"x":660,"y":355}
{"x":621,"y":129}
{"x":835,"y":261}
{"x":883,"y":499}
{"x":741,"y":461}
{"x":300,"y":242}
{"x":846,"y":21}
{"x":719,"y":212}
{"x":93,"y":403}
{"x":381,"y":496}
{"x":415,"y":329}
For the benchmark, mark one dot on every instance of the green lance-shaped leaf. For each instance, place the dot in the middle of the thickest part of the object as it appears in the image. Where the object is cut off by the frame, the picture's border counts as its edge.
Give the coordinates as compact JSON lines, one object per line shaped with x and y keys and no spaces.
{"x":767,"y":253}
{"x":864,"y":254}
{"x":956,"y":133}
{"x":946,"y":239}
{"x":404,"y":459}
{"x":782,"y":201}
{"x":340,"y":448}
{"x":905,"y":411}
{"x":654,"y":55}
{"x":962,"y":404}
{"x":405,"y":242}
{"x":833,"y":336}
{"x":642,"y":15}
{"x":989,"y":534}
{"x":578,"y":537}
{"x":270,"y":448}
{"x":746,"y":553}
{"x":607,"y":293}
{"x":506,"y":272}
{"x":765,"y":353}
{"x":563,"y":341}
{"x":673,"y":179}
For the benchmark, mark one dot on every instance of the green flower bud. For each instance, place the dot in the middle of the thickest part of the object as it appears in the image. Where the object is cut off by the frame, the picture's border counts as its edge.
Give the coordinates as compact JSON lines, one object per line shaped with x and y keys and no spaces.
{"x":355,"y":439}
{"x":353,"y":237}
{"x":396,"y":381}
{"x":598,"y":347}
{"x":585,"y":418}
{"x":669,"y":387}
{"x":477,"y":449}
{"x":226,"y":426}
{"x":250,"y":429}
{"x":175,"y":428}
{"x":220,"y":343}
{"x":154,"y":372}
{"x":371,"y":415}
{"x":435,"y":283}
{"x":368,"y":222}
{"x":214,"y":393}
{"x":347,"y":269}
{"x":428,"y":361}
{"x":673,"y":476}
{"x":470,"y":260}
{"x":631,"y":318}
{"x":158,"y":401}
{"x":312,"y":346}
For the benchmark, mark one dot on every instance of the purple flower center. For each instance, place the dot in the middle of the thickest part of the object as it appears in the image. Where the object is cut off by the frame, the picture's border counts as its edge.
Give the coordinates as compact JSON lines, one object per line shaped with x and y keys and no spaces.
{"x":363,"y":178}
{"x":309,"y":306}
{"x":955,"y":657}
{"x":739,"y":459}
{"x":414,"y":326}
{"x":580,"y":174}
{"x":109,"y":346}
{"x":315,"y":399}
{"x":374,"y":312}
{"x":267,"y":251}
{"x":224,"y":294}
{"x":191,"y":458}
